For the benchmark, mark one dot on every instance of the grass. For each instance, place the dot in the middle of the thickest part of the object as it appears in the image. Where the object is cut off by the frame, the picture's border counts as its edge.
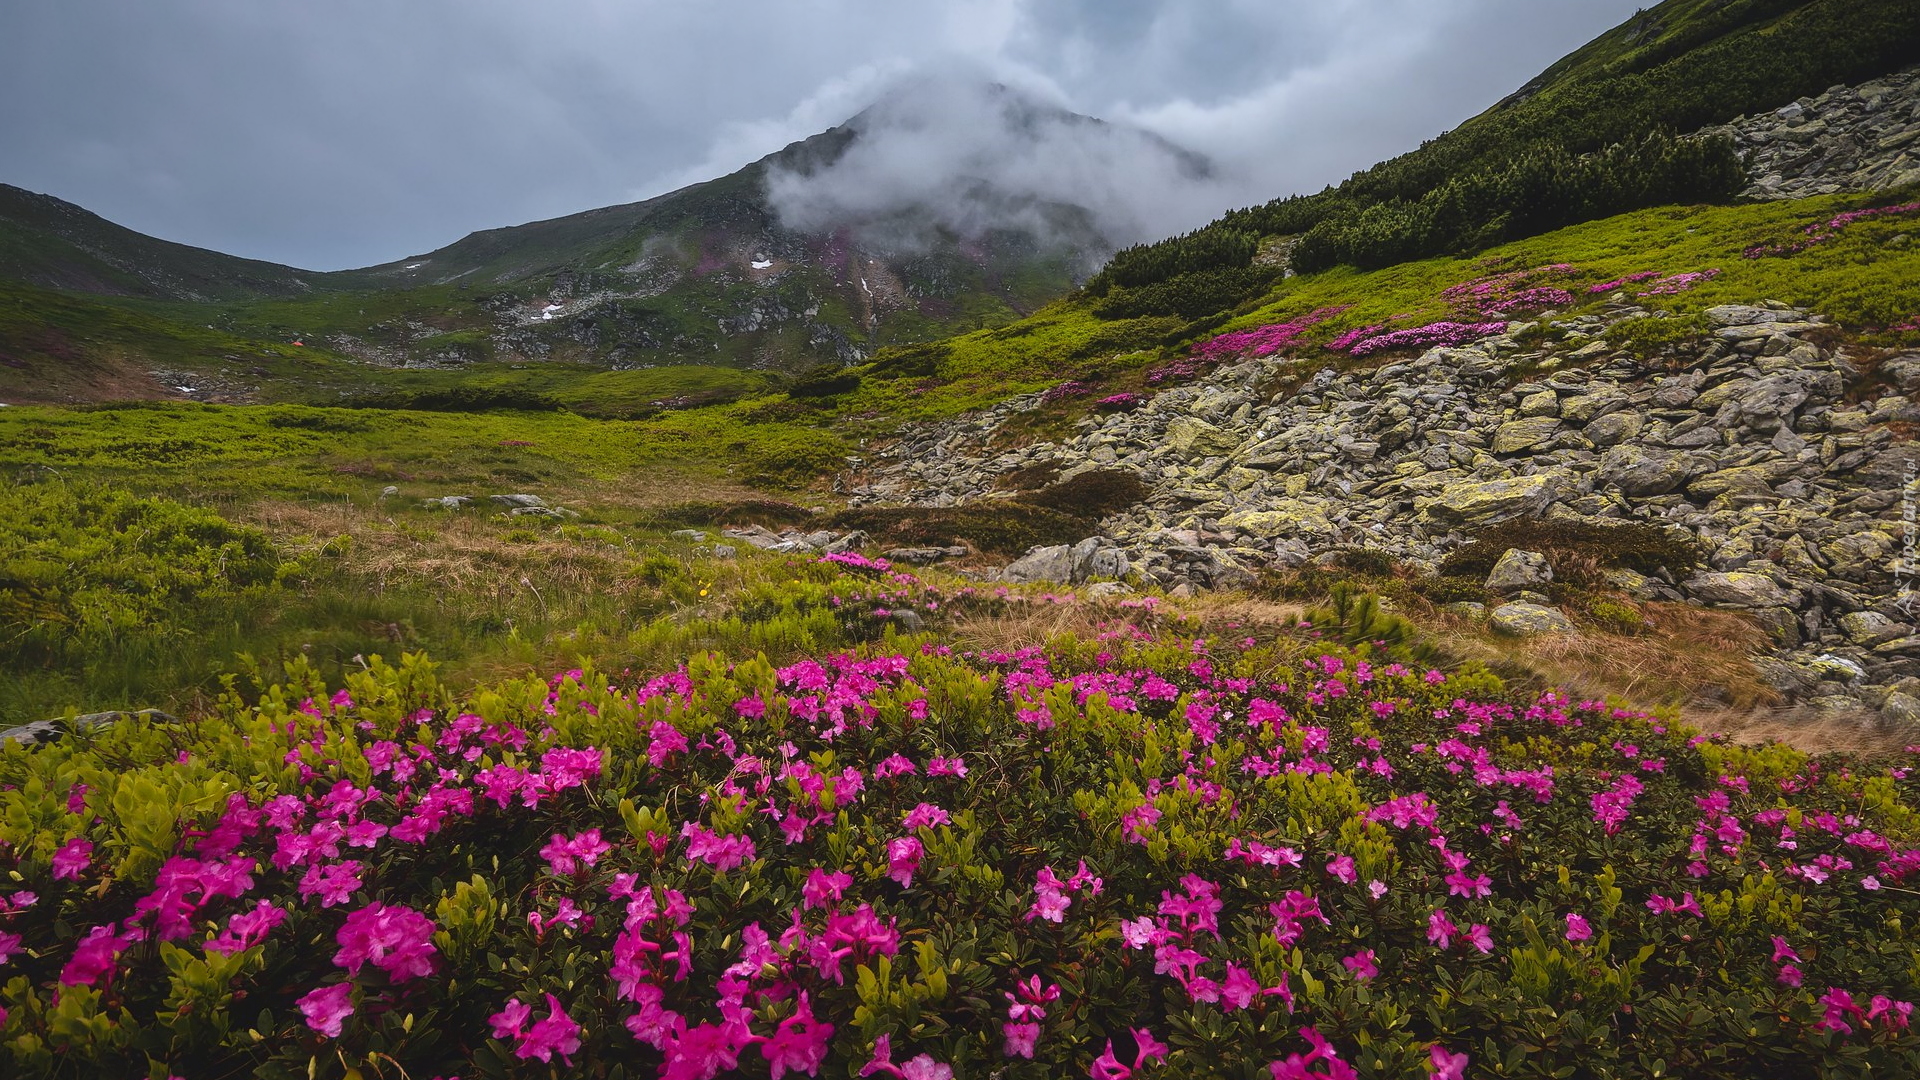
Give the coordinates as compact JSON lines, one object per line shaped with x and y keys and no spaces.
{"x":1860,"y":280}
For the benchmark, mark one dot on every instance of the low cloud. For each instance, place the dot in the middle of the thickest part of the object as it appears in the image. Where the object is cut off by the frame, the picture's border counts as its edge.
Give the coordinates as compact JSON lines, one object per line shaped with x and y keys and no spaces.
{"x":954,"y":150}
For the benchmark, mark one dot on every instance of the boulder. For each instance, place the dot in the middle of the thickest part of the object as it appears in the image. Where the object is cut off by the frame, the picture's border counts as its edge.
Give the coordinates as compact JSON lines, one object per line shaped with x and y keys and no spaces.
{"x":1525,"y":434}
{"x":1518,"y":570}
{"x":1639,"y":472}
{"x":1614,"y":428}
{"x":1738,"y":589}
{"x":1901,"y":710}
{"x":511,"y":501}
{"x":1061,"y":564}
{"x":1529,"y":620}
{"x":1192,"y":437}
{"x":1869,"y":628}
{"x":1052,"y":563}
{"x":1469,"y":502}
{"x":1747,"y":315}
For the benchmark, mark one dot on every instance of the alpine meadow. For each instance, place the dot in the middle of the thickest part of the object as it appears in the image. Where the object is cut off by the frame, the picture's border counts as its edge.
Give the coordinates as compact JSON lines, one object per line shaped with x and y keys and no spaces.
{"x":901,"y":609}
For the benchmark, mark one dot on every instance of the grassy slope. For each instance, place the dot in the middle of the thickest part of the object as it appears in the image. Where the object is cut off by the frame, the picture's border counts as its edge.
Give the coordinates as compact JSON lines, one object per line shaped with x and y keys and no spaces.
{"x":49,"y":242}
{"x":1859,"y":279}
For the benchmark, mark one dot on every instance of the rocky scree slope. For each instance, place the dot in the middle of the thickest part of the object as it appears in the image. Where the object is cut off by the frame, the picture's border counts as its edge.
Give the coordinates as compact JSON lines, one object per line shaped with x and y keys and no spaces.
{"x":1748,"y":444}
{"x":1851,"y":138}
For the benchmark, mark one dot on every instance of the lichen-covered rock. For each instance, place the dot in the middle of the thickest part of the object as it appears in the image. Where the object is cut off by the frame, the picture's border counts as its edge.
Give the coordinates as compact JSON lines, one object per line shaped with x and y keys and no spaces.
{"x":1738,"y":589}
{"x":1517,"y":570}
{"x":1484,"y":502}
{"x":1529,"y":620}
{"x":1517,"y":435}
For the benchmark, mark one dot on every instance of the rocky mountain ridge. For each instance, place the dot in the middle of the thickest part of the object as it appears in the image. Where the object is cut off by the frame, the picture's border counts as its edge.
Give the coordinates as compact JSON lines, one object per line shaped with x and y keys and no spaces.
{"x":1773,"y":453}
{"x":1851,"y":138}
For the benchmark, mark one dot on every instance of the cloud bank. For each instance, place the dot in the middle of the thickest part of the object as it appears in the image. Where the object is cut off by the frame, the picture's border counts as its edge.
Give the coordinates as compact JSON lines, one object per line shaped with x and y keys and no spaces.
{"x":358,"y":131}
{"x":949,"y":149}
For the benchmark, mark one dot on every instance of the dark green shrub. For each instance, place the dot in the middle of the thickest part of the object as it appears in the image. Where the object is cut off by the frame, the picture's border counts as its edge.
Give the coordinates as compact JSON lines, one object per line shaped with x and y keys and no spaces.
{"x":84,"y":569}
{"x":1188,"y":296}
{"x":827,"y":380}
{"x":771,"y":513}
{"x":1090,"y":495}
{"x":995,"y":526}
{"x":1577,"y":550}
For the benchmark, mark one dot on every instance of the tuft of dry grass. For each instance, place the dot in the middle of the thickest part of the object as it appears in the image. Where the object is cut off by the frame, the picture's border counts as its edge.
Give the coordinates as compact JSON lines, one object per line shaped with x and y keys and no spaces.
{"x":1689,"y":657}
{"x":1857,"y":733}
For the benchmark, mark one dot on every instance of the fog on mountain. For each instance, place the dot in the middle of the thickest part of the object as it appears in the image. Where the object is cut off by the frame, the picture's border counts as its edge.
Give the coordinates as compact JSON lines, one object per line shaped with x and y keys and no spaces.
{"x":967,"y":157}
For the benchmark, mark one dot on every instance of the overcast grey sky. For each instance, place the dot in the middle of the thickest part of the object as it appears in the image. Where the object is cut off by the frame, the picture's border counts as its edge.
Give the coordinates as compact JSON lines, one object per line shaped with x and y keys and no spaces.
{"x":350,"y":132}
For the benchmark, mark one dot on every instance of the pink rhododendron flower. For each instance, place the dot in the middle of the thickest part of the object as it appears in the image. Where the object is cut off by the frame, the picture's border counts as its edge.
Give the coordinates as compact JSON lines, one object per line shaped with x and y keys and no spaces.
{"x":1446,"y":1066}
{"x":1361,"y":965}
{"x":926,"y":815}
{"x":331,"y":883}
{"x":1019,"y":1040}
{"x":327,"y":1008}
{"x":396,"y":939}
{"x":248,"y":928}
{"x":799,"y":1043}
{"x":96,"y":955}
{"x":823,"y":889}
{"x":903,"y":859}
{"x":72,"y":859}
{"x":722,"y":852}
{"x":9,"y":944}
{"x":1578,"y":929}
{"x":1108,"y":1067}
{"x":1299,"y":1066}
{"x":511,"y":1021}
{"x":554,"y":1033}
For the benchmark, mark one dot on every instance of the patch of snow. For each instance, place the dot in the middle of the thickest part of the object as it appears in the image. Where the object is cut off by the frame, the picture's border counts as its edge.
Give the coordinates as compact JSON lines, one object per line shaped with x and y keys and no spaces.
{"x":863,"y":285}
{"x":761,"y":264}
{"x":187,"y":389}
{"x":413,"y":266}
{"x":547,"y":312}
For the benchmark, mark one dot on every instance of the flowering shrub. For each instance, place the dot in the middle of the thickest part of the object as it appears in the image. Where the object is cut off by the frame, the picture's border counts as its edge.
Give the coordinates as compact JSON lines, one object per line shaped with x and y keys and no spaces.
{"x":1062,"y":391}
{"x":1822,"y":231}
{"x":1119,"y":402}
{"x":1678,"y":283}
{"x":1263,"y":340}
{"x":1513,"y":290}
{"x":1134,"y":856}
{"x":1176,"y":370}
{"x":1352,"y":337}
{"x":1621,"y":283}
{"x":1422,"y":337}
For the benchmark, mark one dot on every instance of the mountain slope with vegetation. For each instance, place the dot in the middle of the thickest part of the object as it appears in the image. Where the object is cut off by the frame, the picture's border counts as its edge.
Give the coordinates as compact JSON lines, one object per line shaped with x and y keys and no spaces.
{"x":1347,"y":709}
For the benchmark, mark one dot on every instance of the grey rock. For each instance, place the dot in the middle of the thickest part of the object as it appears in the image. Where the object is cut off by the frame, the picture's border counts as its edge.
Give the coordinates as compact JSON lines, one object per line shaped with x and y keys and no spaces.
{"x":511,"y":501}
{"x":1640,"y":472}
{"x":1529,"y":620}
{"x":1870,"y":628}
{"x":1901,"y":710}
{"x":1738,"y":589}
{"x":1484,"y":502}
{"x":1518,"y":435}
{"x":41,"y":732}
{"x":1518,"y":570}
{"x":691,"y":536}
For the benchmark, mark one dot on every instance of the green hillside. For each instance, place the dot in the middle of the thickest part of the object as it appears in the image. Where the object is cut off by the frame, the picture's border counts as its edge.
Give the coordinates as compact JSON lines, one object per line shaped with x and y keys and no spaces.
{"x":54,"y":244}
{"x":1518,"y":169}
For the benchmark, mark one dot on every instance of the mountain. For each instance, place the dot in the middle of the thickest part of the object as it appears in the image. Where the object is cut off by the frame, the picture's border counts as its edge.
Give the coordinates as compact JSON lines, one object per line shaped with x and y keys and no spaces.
{"x":54,"y":244}
{"x":901,"y":225}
